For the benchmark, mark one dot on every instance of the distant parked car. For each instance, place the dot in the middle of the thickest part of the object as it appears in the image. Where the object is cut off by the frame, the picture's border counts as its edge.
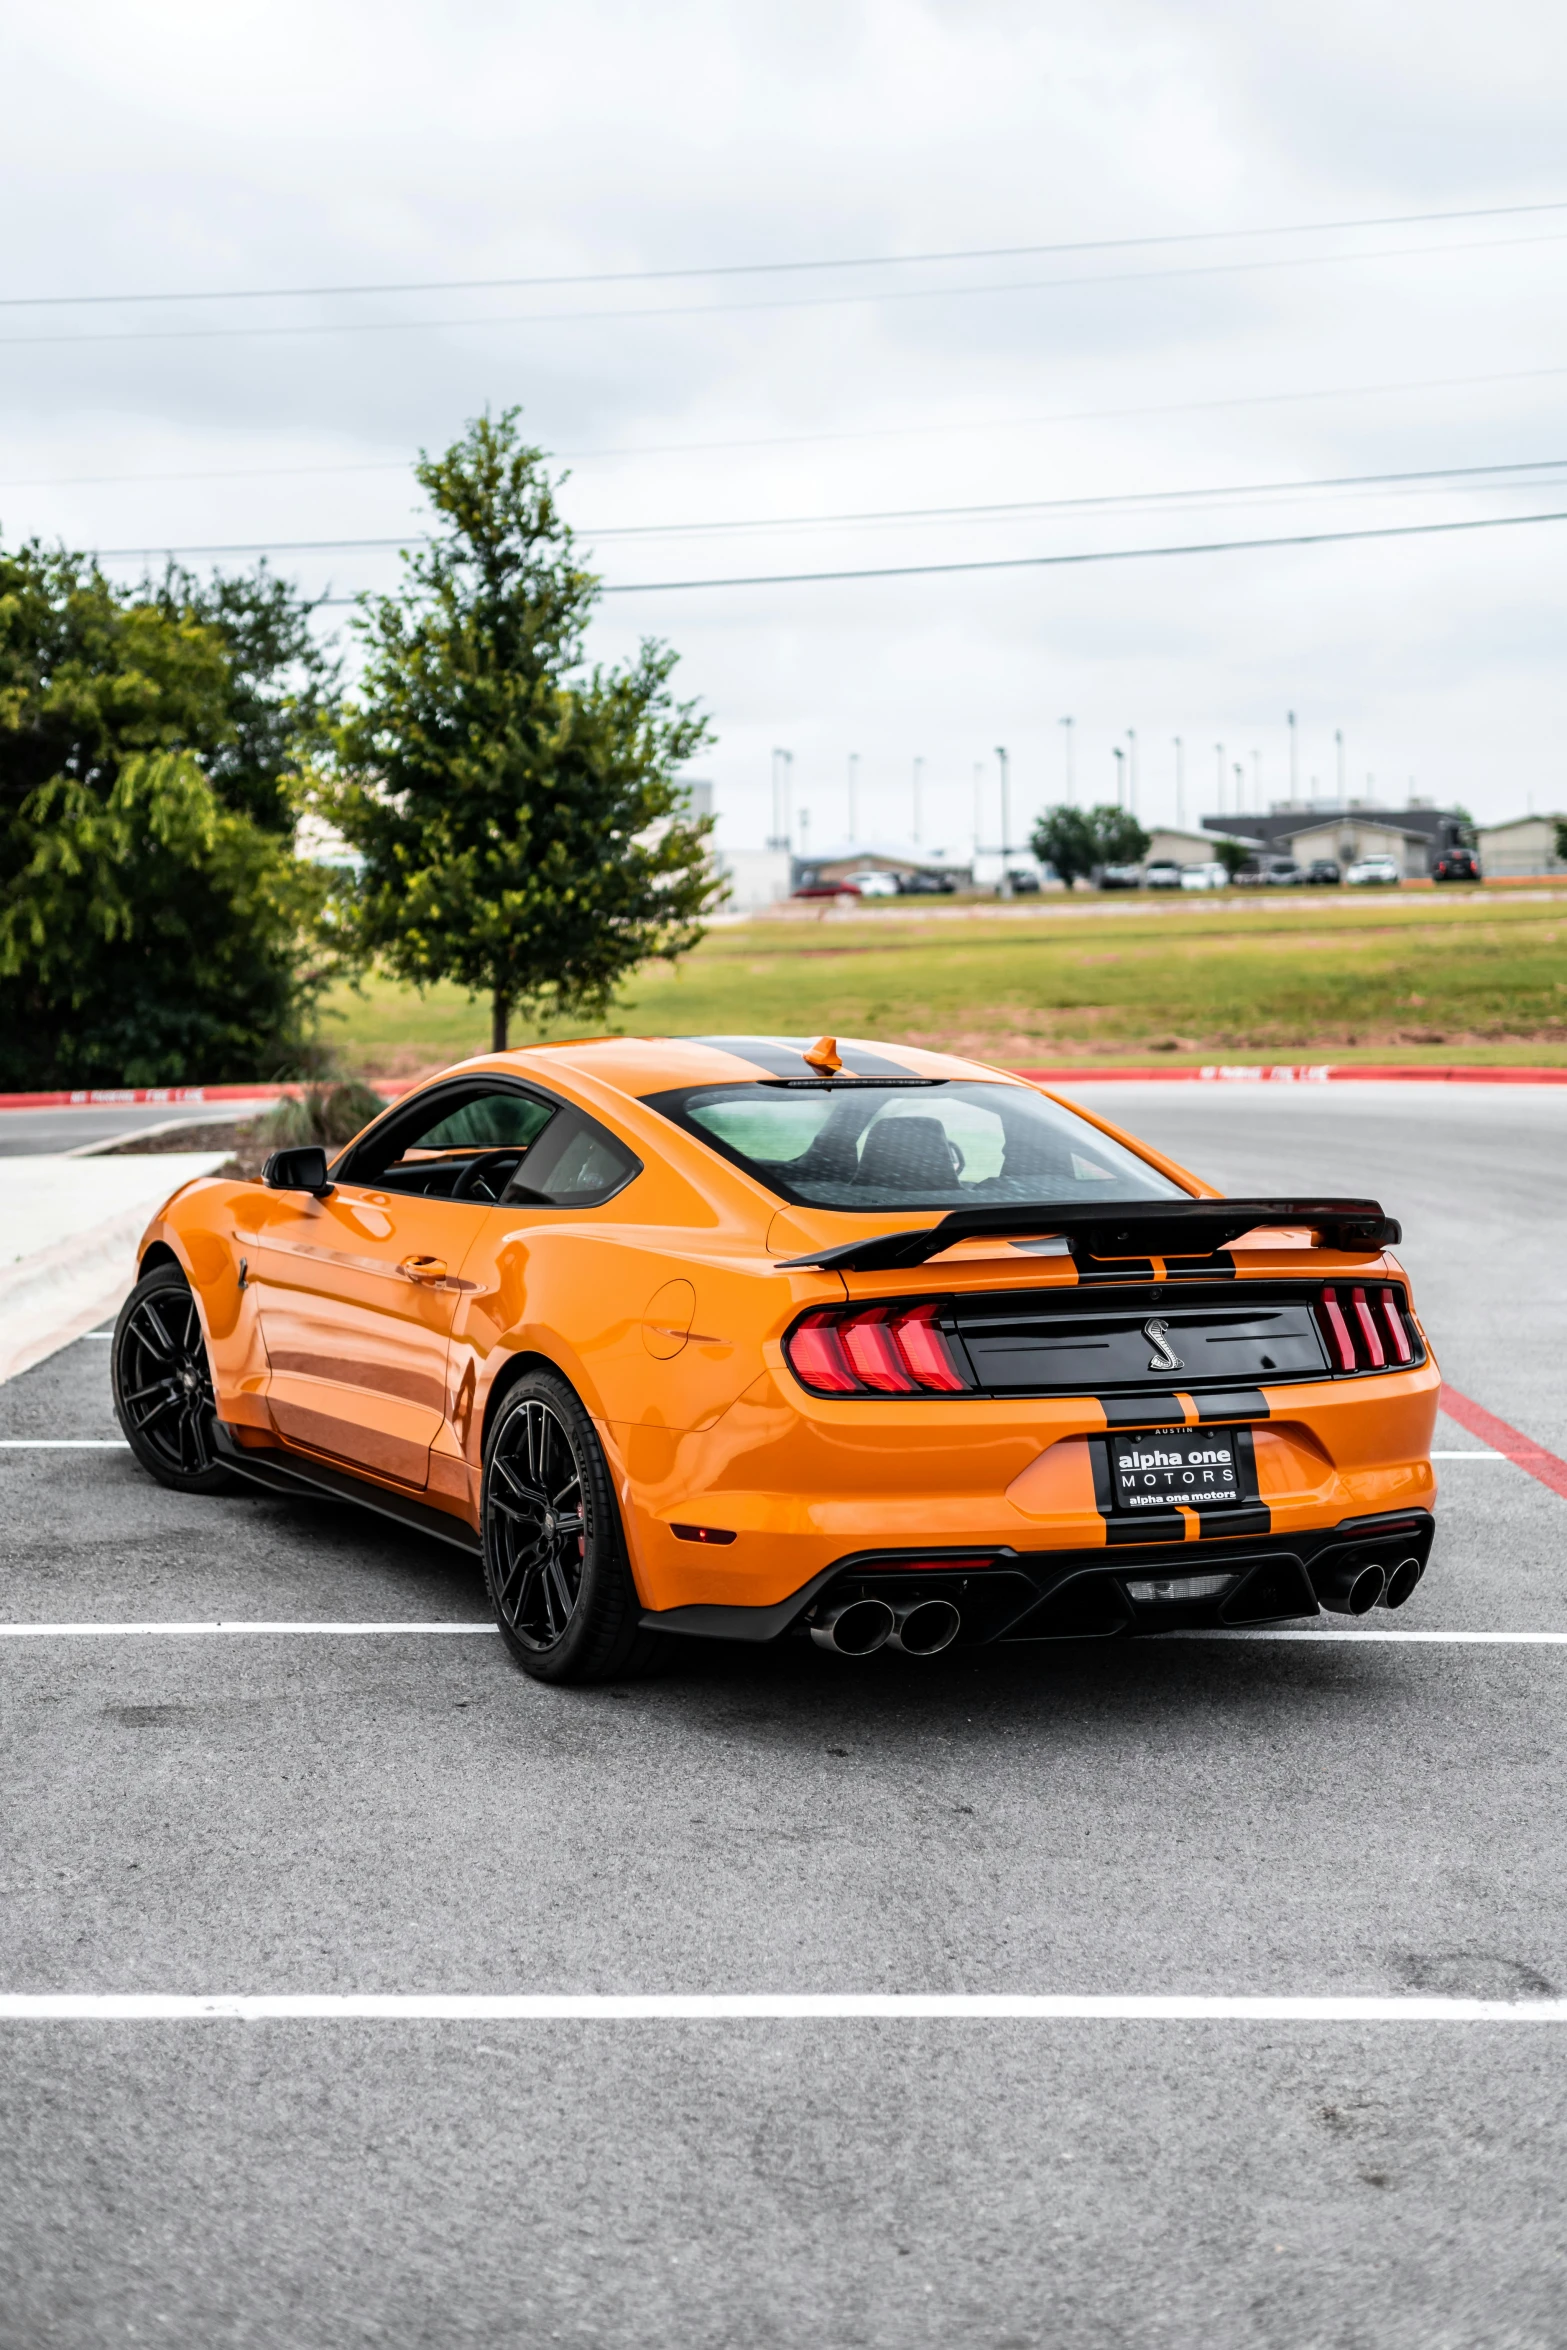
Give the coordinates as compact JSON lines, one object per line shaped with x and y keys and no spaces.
{"x":1209,"y":875}
{"x":926,"y":885}
{"x":1456,"y":865}
{"x":1163,"y":873}
{"x":1282,"y":873}
{"x":826,"y":889}
{"x":1374,"y":873}
{"x":1120,"y":877}
{"x":873,"y":884}
{"x":1023,"y":881}
{"x":1323,"y":872}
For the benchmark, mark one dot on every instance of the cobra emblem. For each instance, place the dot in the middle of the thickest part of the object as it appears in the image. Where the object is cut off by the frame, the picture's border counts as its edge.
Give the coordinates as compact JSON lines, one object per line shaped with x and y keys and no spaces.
{"x":1164,"y":1357}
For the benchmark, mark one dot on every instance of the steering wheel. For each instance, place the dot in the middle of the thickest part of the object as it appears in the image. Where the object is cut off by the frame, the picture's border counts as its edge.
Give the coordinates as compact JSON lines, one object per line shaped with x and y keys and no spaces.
{"x":487,"y":1175}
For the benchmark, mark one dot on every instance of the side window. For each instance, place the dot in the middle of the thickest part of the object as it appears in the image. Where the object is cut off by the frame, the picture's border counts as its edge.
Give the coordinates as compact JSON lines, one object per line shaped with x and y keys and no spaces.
{"x":492,"y":1122}
{"x":575,"y":1165}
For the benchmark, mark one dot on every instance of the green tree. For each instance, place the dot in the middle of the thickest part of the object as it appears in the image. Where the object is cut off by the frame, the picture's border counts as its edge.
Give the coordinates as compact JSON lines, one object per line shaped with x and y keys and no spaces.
{"x":281,"y":684}
{"x":1076,"y":841}
{"x":149,"y":933}
{"x":518,"y":815}
{"x":1122,"y":840}
{"x":1561,"y":836}
{"x":1231,"y":854}
{"x":1065,"y":838}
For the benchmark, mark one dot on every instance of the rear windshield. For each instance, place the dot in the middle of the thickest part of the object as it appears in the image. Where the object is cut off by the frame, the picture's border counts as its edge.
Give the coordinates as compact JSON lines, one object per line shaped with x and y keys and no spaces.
{"x":947,"y":1145}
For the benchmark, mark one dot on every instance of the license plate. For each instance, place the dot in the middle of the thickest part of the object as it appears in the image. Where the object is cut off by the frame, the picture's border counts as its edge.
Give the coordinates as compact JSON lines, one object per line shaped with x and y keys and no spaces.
{"x":1199,"y":1468}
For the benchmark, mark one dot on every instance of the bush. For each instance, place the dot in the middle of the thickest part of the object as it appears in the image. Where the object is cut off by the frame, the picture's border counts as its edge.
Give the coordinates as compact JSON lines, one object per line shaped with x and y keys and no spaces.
{"x":330,"y":1116}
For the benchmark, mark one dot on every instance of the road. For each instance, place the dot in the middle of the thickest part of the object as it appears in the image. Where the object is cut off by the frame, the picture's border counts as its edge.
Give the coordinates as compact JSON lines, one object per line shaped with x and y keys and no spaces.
{"x":404,"y":1812}
{"x":30,"y":1133}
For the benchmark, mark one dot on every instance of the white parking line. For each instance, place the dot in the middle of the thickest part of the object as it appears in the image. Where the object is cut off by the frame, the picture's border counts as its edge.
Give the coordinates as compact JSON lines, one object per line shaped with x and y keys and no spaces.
{"x":549,"y":2007}
{"x":202,"y":1631}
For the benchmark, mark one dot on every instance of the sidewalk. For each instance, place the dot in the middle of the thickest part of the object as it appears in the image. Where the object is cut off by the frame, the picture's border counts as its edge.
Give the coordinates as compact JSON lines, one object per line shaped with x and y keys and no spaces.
{"x":68,"y":1234}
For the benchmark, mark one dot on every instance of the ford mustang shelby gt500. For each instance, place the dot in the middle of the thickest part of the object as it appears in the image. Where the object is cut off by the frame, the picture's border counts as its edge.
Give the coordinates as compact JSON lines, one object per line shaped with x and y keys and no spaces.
{"x":742,"y":1336}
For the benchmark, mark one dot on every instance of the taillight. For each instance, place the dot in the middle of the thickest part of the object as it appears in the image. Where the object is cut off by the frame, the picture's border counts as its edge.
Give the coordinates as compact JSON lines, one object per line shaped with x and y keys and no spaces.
{"x":817,"y":1358}
{"x":1341,"y":1347}
{"x":1364,"y":1331}
{"x":875,"y":1350}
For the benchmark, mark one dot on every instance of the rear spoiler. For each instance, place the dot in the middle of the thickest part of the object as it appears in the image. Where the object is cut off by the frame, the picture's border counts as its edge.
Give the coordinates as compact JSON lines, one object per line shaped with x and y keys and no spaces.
{"x":1127,"y":1228}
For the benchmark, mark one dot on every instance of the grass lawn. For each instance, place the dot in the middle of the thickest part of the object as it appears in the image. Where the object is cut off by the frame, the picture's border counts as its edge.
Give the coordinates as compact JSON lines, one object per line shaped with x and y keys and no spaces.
{"x":1476,"y":976}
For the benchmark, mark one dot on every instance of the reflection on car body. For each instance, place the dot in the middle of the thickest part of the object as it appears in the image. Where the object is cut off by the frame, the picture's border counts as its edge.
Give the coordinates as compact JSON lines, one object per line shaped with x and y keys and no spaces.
{"x":748,"y":1337}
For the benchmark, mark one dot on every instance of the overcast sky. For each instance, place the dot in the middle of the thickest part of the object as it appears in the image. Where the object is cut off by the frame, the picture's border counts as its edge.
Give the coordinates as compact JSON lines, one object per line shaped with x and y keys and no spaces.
{"x":179,"y":149}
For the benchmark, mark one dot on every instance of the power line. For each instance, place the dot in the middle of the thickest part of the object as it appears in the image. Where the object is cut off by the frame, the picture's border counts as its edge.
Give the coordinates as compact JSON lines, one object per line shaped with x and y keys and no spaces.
{"x":1476,"y":474}
{"x":620,"y":277}
{"x":1321,"y":538}
{"x":1434,"y":383}
{"x":720,"y":310}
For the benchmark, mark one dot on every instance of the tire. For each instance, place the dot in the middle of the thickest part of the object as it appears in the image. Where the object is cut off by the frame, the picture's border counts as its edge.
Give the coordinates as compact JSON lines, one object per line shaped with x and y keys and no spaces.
{"x":162,"y":1383}
{"x":554,"y":1554}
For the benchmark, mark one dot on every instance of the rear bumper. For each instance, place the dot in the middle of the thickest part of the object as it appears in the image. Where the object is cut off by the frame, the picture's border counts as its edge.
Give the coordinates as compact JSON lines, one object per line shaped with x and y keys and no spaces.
{"x":1017,"y":1595}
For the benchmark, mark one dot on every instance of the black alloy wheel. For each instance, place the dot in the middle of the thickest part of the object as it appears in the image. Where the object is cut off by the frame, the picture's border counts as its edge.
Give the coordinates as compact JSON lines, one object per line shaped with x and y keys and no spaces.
{"x":162,"y":1381}
{"x":554,"y":1554}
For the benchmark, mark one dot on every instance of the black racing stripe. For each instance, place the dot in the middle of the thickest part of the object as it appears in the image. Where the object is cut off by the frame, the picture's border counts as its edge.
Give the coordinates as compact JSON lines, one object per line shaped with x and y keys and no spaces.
{"x":1219,"y":1267}
{"x":1141,"y":1411}
{"x":1154,"y":1526}
{"x":1256,"y":1519}
{"x":781,"y":1056}
{"x":1112,"y":1268}
{"x":1234,"y":1403}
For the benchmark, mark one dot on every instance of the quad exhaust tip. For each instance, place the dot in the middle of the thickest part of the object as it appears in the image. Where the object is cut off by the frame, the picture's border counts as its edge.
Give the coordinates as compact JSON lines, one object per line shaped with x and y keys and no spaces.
{"x":922,"y":1627}
{"x":1354,"y":1588}
{"x":1401,"y":1581}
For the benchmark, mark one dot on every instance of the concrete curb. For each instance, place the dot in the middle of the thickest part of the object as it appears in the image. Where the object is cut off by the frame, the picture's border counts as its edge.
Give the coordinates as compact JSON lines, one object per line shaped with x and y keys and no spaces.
{"x":51,"y":1297}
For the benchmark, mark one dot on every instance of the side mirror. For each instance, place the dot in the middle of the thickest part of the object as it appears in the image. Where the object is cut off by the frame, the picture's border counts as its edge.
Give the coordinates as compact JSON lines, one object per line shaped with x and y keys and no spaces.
{"x":297,"y":1170}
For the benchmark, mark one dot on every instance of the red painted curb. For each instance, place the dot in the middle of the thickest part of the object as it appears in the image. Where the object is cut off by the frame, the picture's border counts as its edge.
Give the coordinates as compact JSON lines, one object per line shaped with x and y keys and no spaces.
{"x":1302,"y":1073}
{"x":1500,"y":1437}
{"x":178,"y":1097}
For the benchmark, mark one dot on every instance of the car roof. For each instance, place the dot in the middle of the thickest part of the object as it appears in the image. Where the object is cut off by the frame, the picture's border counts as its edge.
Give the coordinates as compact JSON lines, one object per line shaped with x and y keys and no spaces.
{"x":643,"y":1065}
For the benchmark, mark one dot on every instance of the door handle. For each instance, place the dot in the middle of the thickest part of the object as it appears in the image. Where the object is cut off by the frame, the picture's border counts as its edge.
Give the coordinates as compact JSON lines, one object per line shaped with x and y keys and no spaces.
{"x":424,"y":1268}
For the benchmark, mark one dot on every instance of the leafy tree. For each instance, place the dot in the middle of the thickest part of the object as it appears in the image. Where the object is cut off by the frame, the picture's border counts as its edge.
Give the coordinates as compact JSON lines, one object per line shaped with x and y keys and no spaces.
{"x":1065,"y":838}
{"x":1231,"y":854}
{"x":149,"y":933}
{"x":518,"y":816}
{"x":1561,"y":836}
{"x":1122,"y":840}
{"x":1078,"y":840}
{"x":281,"y":687}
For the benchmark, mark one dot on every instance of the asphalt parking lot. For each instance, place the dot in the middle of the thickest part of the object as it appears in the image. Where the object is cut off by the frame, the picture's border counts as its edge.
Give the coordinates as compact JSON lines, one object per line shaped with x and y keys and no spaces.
{"x":400,"y":1811}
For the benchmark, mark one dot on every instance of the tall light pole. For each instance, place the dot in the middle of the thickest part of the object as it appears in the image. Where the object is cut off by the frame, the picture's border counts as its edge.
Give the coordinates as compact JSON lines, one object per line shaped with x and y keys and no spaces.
{"x":1294,"y":760}
{"x":919,"y":778}
{"x":783,"y":791}
{"x":1131,"y":768}
{"x":1240,"y":788}
{"x":1005,"y":764}
{"x":1218,"y":760}
{"x":854,"y":786}
{"x":1071,"y":784}
{"x":1180,"y":784}
{"x":1119,"y":756}
{"x":1338,"y":745}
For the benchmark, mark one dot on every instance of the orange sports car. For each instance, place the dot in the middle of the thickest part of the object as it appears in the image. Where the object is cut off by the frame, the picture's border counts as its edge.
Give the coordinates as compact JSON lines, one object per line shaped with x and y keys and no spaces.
{"x":747,"y":1337}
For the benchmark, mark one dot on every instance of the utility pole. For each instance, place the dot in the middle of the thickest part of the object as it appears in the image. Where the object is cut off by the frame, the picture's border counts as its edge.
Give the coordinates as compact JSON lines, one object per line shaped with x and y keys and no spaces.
{"x":1119,"y":756}
{"x":1180,"y":785}
{"x":1240,"y":788}
{"x":1294,"y":761}
{"x":775,"y":839}
{"x":854,"y":785}
{"x":1006,"y":820}
{"x":919,"y":777}
{"x":1071,"y":787}
{"x":1218,"y":760}
{"x":1338,"y":745}
{"x":1131,"y":767}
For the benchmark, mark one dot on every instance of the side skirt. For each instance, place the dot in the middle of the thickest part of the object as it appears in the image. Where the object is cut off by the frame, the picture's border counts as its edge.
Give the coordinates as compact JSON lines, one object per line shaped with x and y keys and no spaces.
{"x":296,"y":1478}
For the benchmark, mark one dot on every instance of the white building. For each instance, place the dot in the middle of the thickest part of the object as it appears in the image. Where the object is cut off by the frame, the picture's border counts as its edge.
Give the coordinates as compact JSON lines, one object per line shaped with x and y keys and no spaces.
{"x":1525,"y":846}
